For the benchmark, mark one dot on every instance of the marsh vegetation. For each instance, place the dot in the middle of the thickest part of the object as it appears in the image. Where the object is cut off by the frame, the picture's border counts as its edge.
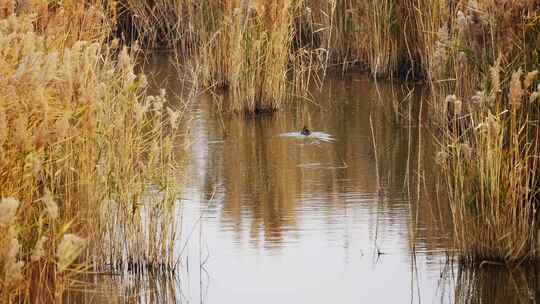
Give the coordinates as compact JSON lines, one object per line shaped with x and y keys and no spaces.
{"x":93,"y":150}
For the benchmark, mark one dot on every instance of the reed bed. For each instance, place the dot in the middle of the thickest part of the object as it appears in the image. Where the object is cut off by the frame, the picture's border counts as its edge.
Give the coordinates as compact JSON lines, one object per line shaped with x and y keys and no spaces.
{"x":213,"y":61}
{"x":490,"y":120}
{"x":87,"y":162}
{"x":490,"y":159}
{"x":266,"y":53}
{"x":63,"y":25}
{"x":260,"y":55}
{"x":263,"y":53}
{"x":383,"y":37}
{"x":173,"y":24}
{"x":255,"y":52}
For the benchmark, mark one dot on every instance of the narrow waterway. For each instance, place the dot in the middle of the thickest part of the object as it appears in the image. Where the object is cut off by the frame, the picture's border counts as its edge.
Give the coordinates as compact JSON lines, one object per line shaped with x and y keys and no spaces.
{"x":272,"y":216}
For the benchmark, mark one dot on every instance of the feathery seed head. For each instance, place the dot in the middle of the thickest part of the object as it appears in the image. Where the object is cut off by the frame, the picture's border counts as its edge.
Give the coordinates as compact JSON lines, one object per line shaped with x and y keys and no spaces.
{"x":8,"y":210}
{"x":50,"y":205}
{"x":466,"y":150}
{"x":516,"y":90}
{"x":461,"y":21}
{"x":492,"y":126}
{"x":39,"y":251}
{"x":441,"y":157}
{"x":68,"y":250}
{"x":451,"y":98}
{"x":529,"y":79}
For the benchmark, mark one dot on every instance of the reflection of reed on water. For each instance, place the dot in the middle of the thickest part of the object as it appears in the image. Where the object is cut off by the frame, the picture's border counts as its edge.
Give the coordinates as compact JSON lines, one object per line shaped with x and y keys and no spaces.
{"x":146,"y":287}
{"x":496,"y":284}
{"x":267,"y":179}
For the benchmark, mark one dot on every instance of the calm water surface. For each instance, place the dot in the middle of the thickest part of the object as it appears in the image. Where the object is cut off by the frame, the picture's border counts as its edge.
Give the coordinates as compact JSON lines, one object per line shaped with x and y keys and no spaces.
{"x":272,"y":218}
{"x":298,"y":220}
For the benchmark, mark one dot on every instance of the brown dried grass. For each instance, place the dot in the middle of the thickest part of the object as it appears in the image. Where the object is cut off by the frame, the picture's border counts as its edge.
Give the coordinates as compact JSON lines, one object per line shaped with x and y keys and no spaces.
{"x":81,"y":146}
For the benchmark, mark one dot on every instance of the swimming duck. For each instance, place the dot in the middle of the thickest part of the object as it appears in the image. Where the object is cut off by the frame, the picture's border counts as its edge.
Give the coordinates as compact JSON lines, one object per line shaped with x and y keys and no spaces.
{"x":305,"y":131}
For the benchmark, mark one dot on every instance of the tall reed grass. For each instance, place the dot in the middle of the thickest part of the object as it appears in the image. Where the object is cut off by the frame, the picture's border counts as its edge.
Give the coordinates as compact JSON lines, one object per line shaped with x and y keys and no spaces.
{"x":490,"y":119}
{"x":384,"y":37}
{"x":263,"y":52}
{"x":87,"y":162}
{"x":491,"y":160}
{"x":251,"y":53}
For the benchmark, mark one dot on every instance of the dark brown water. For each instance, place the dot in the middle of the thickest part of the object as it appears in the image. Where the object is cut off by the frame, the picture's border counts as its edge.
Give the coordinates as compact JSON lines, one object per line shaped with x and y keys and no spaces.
{"x":274,"y":219}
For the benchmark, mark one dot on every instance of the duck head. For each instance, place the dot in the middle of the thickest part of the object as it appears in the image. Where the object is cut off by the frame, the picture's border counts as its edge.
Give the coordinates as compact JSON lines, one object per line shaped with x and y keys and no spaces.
{"x":305,"y":131}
